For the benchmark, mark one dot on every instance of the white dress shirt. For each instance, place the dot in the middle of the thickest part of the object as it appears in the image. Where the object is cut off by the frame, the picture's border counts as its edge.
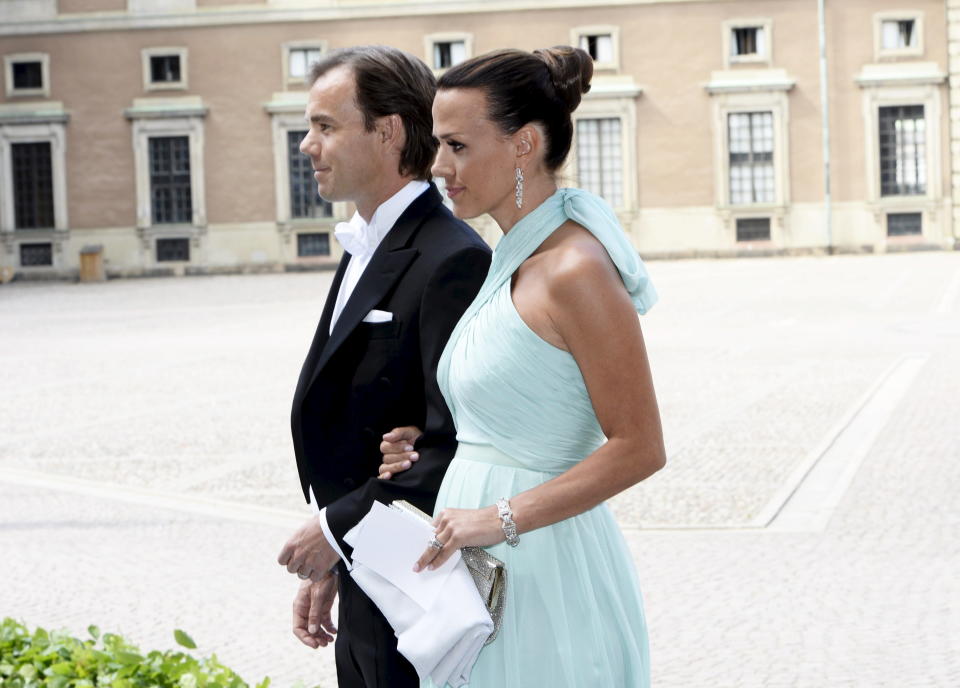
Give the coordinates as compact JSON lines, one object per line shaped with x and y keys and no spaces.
{"x":361,"y":239}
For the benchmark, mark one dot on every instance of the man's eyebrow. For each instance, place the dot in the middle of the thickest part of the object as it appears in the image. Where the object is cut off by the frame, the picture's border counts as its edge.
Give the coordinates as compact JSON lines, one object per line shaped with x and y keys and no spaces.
{"x":319,"y":119}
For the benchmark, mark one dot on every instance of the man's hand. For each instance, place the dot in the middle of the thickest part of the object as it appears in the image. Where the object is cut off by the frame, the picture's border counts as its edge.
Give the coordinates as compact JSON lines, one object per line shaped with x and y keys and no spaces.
{"x":308,"y":553}
{"x":312,"y":622}
{"x":397,"y":450}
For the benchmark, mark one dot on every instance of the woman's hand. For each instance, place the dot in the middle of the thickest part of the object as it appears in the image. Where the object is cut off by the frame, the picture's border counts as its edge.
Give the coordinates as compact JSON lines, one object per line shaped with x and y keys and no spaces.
{"x":397,"y":450}
{"x":457,"y":528}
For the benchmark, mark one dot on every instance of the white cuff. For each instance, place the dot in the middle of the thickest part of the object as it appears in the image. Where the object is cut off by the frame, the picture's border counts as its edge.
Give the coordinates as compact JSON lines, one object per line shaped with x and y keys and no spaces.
{"x":325,"y":527}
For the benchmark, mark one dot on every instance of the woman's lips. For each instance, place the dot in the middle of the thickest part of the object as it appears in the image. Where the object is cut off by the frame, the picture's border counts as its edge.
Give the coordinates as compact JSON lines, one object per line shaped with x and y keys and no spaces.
{"x":453,"y":191}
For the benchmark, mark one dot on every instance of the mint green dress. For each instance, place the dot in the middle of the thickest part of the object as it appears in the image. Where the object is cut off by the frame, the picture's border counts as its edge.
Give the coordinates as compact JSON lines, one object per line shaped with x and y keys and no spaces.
{"x":574,"y":614}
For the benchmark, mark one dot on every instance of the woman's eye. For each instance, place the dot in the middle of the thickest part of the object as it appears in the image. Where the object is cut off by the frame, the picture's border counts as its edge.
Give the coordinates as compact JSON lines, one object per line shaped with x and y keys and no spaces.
{"x":455,"y":146}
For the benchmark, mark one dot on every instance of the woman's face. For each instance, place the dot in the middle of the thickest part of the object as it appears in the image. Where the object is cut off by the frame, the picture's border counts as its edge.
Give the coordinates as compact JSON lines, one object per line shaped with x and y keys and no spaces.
{"x":476,"y":160}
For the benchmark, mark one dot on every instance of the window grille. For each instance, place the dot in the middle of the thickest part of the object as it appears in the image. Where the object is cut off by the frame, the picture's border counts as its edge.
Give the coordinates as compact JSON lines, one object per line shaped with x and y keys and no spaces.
{"x":898,"y":34}
{"x":904,"y":224}
{"x":313,"y":244}
{"x":748,"y":40}
{"x":753,"y":229}
{"x":170,"y":179}
{"x":903,"y":151}
{"x":32,"y":185}
{"x":599,"y":46}
{"x":27,"y":75}
{"x":305,"y":202}
{"x":36,"y":255}
{"x":165,"y":69}
{"x":299,"y":61}
{"x":600,"y":158}
{"x":448,"y":53}
{"x":169,"y":250}
{"x":752,"y":177}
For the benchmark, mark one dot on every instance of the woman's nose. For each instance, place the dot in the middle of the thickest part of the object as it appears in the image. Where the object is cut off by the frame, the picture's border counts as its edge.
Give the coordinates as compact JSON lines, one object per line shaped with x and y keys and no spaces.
{"x":440,"y":168}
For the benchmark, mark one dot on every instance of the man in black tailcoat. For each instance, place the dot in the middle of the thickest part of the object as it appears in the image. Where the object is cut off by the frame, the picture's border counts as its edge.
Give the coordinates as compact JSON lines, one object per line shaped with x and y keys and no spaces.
{"x":409,"y":271}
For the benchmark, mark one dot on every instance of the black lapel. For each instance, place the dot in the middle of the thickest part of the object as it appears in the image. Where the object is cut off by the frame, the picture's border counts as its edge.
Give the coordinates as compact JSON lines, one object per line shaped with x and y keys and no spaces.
{"x":323,"y":329}
{"x":387,"y":265}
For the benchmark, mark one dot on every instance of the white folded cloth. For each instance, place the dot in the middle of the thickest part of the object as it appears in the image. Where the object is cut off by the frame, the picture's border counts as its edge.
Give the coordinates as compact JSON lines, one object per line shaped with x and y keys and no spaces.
{"x":439,"y":618}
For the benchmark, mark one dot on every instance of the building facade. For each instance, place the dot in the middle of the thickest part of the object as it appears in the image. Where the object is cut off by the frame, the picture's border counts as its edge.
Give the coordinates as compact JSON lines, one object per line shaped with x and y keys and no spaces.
{"x":167,"y":131}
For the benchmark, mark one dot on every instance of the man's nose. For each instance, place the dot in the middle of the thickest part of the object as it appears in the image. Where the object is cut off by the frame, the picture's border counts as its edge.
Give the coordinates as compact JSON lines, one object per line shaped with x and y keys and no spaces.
{"x":307,"y":145}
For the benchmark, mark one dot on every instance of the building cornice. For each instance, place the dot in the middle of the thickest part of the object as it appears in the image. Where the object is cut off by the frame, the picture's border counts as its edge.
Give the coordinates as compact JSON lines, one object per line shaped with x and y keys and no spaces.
{"x":43,"y":112}
{"x":158,"y":108}
{"x":900,"y":74}
{"x":329,"y":10}
{"x":749,"y":80}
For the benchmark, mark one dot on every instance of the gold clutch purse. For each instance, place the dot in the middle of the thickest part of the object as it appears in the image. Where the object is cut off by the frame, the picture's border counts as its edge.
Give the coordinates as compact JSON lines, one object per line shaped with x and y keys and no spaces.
{"x":488,"y":573}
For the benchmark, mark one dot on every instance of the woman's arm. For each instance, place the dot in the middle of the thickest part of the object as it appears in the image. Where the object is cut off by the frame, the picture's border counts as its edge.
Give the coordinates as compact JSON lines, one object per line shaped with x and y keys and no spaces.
{"x":594,"y":317}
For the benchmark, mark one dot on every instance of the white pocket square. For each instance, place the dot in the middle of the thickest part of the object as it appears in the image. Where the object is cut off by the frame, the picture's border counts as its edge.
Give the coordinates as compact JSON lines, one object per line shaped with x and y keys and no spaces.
{"x":376,"y":316}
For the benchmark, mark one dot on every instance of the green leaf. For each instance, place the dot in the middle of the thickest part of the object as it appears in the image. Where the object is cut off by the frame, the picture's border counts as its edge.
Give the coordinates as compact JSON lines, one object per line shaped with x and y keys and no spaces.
{"x":93,"y":631}
{"x":184,"y":640}
{"x":126,"y":657}
{"x":62,"y":668}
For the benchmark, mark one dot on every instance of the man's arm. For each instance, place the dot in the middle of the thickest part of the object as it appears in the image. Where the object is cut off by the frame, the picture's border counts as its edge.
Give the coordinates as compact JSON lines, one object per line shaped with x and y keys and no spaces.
{"x":448,"y":293}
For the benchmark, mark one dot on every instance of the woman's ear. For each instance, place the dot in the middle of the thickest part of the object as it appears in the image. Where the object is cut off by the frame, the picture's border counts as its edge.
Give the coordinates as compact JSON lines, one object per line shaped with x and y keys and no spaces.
{"x":528,"y":141}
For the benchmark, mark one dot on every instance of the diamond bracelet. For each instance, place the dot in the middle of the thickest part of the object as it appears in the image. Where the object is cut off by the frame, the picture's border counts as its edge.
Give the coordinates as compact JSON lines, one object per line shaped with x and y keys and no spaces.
{"x":506,"y":518}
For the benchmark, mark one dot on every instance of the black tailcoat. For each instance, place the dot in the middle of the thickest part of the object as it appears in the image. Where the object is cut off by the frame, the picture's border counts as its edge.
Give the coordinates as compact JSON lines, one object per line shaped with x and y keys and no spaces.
{"x":364,"y":379}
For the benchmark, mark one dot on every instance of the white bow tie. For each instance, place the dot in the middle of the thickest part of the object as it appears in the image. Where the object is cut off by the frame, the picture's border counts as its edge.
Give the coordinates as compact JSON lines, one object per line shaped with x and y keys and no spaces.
{"x":357,"y":237}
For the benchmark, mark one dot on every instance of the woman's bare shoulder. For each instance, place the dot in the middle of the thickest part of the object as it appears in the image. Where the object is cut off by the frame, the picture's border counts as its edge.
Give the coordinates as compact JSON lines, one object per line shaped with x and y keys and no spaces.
{"x":577,"y":257}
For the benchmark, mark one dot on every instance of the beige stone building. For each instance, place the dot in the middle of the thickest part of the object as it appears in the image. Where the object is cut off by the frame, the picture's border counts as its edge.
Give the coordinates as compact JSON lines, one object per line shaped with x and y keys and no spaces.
{"x":166,"y":131}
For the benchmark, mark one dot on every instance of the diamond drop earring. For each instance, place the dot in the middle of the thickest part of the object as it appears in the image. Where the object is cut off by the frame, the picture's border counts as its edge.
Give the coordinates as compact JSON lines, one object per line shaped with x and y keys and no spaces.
{"x":519,"y":193}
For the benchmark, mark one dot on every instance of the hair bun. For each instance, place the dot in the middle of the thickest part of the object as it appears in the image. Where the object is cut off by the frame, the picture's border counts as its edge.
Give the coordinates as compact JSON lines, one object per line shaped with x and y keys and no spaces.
{"x":570,"y":71}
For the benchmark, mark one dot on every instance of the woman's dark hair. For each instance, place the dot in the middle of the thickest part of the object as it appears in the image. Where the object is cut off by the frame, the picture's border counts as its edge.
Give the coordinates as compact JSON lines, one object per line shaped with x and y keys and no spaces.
{"x":391,"y":82}
{"x":544,"y":86}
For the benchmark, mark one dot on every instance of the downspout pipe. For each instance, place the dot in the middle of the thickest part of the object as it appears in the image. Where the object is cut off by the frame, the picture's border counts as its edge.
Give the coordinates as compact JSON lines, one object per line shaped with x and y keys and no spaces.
{"x":825,"y":113}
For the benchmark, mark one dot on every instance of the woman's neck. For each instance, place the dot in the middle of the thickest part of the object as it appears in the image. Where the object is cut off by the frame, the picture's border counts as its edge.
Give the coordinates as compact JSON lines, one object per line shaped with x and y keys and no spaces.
{"x":536,"y":190}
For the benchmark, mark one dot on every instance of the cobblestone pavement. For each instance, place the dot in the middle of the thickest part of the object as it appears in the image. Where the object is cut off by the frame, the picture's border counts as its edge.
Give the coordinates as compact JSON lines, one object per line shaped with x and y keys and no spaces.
{"x":180,"y":388}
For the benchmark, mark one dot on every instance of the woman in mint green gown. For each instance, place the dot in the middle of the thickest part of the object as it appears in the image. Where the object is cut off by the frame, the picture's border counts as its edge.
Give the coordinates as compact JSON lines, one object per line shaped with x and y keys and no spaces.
{"x":547,"y":380}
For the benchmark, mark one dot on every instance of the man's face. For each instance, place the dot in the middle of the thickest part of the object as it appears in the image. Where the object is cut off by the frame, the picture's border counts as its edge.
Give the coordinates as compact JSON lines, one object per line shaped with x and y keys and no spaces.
{"x":345,"y":158}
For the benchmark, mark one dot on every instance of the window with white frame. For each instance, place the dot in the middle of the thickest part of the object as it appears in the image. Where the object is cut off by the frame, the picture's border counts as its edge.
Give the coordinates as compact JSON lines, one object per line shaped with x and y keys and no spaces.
{"x":904,"y":224}
{"x":298,"y":58}
{"x":164,"y":69}
{"x":33,"y":194}
{"x":903,"y":153}
{"x":169,"y":164}
{"x":170,"y":194}
{"x":305,"y":202}
{"x":898,"y":34}
{"x":600,"y":158}
{"x":747,"y":40}
{"x":750,"y":144}
{"x":446,"y":54}
{"x":444,"y":50}
{"x":598,"y":45}
{"x":32,"y":176}
{"x":602,"y":43}
{"x":27,"y":74}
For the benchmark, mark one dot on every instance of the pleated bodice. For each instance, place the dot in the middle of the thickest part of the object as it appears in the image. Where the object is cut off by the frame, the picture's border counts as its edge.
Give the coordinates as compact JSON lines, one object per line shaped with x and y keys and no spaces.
{"x":504,"y":384}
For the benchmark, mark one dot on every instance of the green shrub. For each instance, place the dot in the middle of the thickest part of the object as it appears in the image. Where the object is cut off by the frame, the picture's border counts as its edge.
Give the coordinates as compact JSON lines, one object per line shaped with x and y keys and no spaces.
{"x":56,"y":660}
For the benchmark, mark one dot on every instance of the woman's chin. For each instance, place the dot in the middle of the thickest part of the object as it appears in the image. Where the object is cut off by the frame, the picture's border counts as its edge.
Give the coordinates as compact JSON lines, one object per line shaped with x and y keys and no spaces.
{"x":464,"y":212}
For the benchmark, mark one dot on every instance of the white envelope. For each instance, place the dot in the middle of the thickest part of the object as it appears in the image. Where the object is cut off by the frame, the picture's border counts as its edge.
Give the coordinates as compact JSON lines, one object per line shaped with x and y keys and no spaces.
{"x":376,"y":316}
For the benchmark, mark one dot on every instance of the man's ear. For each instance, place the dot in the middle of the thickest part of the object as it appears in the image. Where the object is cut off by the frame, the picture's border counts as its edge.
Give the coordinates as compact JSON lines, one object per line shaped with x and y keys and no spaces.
{"x":390,"y":129}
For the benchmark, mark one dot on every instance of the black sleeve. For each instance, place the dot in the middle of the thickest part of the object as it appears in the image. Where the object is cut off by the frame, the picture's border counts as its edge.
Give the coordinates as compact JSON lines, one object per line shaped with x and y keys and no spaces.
{"x":448,"y":293}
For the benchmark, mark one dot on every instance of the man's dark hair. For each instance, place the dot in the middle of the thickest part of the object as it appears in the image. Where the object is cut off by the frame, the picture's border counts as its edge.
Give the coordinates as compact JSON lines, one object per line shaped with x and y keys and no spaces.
{"x":391,"y":82}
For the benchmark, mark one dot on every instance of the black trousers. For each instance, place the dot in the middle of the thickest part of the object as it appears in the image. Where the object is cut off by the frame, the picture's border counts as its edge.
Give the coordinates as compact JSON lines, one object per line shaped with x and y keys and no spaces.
{"x":366,"y":647}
